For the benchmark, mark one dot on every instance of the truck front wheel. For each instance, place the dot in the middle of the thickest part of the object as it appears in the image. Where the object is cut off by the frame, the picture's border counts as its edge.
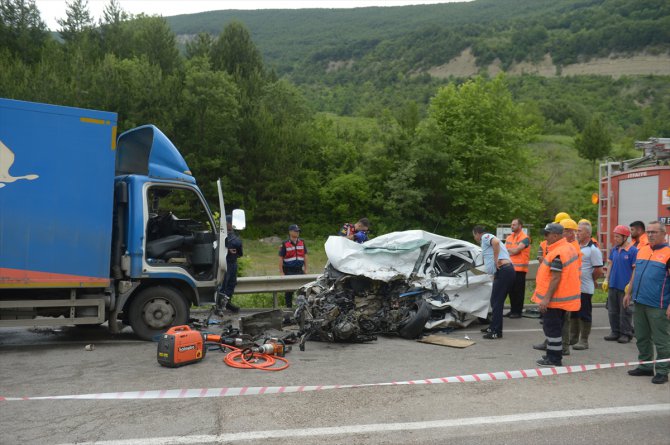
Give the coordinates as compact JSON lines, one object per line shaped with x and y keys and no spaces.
{"x":155,"y":309}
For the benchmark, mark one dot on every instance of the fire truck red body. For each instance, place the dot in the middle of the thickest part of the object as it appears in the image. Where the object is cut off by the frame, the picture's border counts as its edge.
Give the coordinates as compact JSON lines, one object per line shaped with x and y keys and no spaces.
{"x":635,"y":190}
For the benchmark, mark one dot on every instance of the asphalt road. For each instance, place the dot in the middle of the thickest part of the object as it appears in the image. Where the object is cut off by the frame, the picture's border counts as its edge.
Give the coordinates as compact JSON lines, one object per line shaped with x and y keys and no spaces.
{"x":601,"y":406}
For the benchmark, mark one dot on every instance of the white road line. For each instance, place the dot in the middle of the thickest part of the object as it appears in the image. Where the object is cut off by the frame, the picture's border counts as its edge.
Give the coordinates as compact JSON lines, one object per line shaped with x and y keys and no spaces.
{"x":383,"y":427}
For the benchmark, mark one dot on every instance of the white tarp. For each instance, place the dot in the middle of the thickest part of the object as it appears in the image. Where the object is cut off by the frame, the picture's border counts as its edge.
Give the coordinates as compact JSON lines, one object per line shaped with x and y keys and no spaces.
{"x":386,"y":256}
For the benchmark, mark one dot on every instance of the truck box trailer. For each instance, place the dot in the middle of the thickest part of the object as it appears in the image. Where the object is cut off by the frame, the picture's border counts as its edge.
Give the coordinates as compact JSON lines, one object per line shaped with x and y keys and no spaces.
{"x":95,"y":227}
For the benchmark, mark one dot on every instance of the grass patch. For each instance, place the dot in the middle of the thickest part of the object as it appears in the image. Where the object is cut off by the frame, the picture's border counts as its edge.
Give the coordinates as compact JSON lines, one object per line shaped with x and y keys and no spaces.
{"x":262,"y":258}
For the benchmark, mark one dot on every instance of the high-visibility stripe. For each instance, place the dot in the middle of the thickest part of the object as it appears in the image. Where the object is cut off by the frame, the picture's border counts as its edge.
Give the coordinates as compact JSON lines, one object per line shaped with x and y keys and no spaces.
{"x":568,"y":298}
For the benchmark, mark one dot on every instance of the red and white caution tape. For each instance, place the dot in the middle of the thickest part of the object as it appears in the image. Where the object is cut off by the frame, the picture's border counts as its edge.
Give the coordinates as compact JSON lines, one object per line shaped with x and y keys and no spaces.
{"x":260,"y":390}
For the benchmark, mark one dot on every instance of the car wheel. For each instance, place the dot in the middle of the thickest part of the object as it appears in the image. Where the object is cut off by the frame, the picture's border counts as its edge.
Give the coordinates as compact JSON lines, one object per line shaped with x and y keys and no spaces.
{"x":155,"y":309}
{"x":416,"y":323}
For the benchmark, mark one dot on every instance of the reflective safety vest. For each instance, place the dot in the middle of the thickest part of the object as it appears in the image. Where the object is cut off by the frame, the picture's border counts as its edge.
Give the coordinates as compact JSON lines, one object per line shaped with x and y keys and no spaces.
{"x":294,"y":252}
{"x":520,"y":260}
{"x":651,"y":283}
{"x":542,"y":252}
{"x":568,"y":294}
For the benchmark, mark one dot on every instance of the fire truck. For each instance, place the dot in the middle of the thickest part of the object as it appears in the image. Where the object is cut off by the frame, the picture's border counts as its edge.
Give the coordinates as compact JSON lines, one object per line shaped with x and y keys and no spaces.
{"x":635,"y":190}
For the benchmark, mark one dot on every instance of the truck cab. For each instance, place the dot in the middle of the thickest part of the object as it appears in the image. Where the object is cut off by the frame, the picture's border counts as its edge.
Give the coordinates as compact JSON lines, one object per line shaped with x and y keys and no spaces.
{"x":124,"y":236}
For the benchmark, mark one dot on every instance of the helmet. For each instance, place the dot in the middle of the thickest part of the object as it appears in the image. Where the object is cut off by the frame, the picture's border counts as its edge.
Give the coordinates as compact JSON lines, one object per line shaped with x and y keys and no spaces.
{"x":584,"y":220}
{"x":622,"y":230}
{"x":561,"y":216}
{"x":568,"y":223}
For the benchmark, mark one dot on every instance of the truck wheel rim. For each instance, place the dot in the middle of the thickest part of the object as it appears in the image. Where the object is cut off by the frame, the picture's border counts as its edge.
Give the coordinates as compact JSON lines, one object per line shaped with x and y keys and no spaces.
{"x":158,"y":313}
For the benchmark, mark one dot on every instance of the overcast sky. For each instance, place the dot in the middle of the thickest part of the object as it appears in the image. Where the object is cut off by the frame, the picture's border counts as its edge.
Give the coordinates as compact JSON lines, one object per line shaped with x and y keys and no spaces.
{"x":51,"y":10}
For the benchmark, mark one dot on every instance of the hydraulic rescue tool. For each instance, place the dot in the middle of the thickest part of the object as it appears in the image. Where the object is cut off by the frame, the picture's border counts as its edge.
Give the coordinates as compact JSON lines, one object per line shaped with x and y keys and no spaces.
{"x":183,"y":345}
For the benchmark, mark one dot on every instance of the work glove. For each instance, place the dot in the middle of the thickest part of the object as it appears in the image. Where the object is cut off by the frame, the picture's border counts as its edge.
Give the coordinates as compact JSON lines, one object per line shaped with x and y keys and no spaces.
{"x":626,"y":289}
{"x":605,"y":286}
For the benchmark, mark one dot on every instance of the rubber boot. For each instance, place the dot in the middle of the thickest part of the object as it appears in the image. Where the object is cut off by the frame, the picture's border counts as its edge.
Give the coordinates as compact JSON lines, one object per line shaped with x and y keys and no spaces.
{"x":575,"y":325}
{"x":584,"y":332}
{"x":566,"y":334}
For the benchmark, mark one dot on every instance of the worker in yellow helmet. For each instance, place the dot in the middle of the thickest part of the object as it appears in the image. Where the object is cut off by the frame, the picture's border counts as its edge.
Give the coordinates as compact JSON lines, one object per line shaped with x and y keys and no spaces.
{"x":570,"y":234}
{"x":560,"y":216}
{"x":542,"y":251}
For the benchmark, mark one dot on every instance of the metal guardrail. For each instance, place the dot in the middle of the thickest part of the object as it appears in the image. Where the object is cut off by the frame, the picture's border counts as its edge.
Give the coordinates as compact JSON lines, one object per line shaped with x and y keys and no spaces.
{"x":278,"y":283}
{"x":287,"y":283}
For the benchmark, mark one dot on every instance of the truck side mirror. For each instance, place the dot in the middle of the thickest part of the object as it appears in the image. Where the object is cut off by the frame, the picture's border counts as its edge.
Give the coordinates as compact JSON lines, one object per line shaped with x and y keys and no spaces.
{"x":239,"y":219}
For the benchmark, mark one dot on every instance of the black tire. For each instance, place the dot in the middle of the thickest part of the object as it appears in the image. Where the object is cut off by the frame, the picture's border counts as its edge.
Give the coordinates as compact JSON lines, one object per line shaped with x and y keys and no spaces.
{"x":414,"y":326}
{"x":155,"y":309}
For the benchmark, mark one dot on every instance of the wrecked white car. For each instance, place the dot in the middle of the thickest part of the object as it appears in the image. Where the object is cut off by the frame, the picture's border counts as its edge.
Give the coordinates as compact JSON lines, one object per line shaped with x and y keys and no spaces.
{"x":396,"y":284}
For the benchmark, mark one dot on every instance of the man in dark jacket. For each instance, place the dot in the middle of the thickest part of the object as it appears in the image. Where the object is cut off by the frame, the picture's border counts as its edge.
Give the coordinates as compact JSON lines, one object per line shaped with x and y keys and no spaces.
{"x":234,"y":245}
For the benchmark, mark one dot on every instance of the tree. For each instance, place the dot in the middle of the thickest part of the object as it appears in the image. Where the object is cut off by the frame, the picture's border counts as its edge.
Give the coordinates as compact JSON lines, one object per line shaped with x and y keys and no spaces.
{"x":472,"y":158}
{"x":113,"y":30}
{"x":78,"y":20}
{"x":200,"y":46}
{"x":235,"y":52}
{"x":22,"y":31}
{"x":594,"y":142}
{"x":153,"y":38}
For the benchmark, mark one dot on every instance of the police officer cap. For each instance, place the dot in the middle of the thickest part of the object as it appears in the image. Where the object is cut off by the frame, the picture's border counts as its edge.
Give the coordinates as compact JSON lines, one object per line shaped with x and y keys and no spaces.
{"x":553,"y":228}
{"x":293,"y":228}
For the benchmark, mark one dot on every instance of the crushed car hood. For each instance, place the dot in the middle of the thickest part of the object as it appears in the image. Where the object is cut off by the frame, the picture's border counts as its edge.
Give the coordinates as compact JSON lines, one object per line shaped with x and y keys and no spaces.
{"x":400,"y":283}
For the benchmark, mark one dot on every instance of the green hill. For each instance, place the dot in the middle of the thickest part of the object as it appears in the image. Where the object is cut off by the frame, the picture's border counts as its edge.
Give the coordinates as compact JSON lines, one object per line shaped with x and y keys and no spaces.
{"x":413,"y":38}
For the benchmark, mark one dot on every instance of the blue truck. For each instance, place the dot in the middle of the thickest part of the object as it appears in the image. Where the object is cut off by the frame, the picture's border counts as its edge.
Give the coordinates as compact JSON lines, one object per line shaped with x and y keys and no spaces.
{"x":97,"y":228}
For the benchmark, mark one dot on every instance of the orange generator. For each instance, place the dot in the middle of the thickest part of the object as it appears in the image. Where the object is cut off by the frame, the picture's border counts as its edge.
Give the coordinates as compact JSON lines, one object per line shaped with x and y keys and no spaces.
{"x":181,"y":345}
{"x":635,"y":190}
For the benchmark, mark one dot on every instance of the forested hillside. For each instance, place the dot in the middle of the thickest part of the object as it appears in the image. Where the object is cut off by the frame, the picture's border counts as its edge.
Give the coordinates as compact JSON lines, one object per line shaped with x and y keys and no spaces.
{"x":321,"y":117}
{"x":403,"y":39}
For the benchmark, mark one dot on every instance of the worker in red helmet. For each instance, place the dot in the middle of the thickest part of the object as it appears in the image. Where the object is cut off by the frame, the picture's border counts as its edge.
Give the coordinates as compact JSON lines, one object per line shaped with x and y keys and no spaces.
{"x":620,"y":267}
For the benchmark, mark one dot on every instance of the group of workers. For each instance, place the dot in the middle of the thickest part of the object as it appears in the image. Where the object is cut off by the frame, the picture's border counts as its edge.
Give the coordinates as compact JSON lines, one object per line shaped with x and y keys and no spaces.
{"x":570,"y":263}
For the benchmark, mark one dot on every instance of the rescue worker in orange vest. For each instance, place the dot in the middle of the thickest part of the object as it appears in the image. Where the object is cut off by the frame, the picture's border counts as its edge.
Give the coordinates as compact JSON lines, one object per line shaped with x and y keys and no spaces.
{"x":292,"y":258}
{"x":518,"y":246}
{"x":637,"y":236}
{"x":570,"y":235}
{"x":543,"y":245}
{"x":557,"y":290}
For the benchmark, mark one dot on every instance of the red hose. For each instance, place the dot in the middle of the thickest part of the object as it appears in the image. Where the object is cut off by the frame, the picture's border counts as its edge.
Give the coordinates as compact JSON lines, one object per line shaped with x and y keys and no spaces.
{"x":235,"y":359}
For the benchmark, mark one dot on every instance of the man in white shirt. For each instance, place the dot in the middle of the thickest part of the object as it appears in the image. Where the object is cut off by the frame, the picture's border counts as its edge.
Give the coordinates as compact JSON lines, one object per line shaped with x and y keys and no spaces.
{"x":591,"y":270}
{"x":497,"y":263}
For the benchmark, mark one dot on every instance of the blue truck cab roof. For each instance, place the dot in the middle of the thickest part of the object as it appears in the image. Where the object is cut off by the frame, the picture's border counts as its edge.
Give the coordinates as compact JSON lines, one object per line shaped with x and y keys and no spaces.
{"x":147,"y":151}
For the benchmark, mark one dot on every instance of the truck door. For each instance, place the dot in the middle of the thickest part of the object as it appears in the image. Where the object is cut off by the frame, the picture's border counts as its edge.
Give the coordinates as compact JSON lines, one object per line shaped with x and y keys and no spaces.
{"x":223,"y":233}
{"x":180,"y":232}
